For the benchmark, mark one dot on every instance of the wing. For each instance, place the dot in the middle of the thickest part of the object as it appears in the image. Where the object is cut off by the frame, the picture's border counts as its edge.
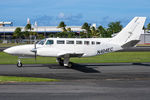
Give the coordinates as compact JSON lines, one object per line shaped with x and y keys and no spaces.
{"x":70,"y":54}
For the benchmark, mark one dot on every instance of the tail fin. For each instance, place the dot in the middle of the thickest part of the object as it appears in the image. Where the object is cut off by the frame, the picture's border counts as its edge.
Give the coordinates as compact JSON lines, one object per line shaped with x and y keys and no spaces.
{"x":129,"y":36}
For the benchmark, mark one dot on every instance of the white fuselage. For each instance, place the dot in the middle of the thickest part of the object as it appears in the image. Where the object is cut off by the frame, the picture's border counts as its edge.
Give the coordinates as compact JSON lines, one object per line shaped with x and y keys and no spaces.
{"x":59,"y":46}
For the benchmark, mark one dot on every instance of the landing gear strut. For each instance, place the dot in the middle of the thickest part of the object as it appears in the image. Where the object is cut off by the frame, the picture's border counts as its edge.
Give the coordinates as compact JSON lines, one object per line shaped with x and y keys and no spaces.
{"x":60,"y":61}
{"x":19,"y":64}
{"x":64,"y":62}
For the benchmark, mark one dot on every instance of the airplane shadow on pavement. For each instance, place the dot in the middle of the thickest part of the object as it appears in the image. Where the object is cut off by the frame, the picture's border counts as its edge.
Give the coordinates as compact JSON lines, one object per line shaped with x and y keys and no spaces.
{"x":84,"y":68}
{"x":78,"y":67}
{"x":143,"y":64}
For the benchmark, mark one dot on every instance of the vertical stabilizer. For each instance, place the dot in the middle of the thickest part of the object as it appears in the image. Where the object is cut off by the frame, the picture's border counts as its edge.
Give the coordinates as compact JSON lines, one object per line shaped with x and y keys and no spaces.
{"x":131,"y":32}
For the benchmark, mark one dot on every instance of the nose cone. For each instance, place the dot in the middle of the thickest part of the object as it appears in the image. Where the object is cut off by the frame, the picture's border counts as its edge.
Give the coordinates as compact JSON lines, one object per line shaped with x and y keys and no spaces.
{"x":9,"y":51}
{"x":21,"y":50}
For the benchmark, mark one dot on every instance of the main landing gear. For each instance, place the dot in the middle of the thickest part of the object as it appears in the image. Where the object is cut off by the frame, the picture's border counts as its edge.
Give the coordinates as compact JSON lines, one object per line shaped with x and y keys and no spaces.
{"x":19,"y":64}
{"x":64,"y":62}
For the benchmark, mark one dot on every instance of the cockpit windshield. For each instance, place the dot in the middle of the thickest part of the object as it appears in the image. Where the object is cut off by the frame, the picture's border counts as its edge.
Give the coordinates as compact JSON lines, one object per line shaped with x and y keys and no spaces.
{"x":42,"y":42}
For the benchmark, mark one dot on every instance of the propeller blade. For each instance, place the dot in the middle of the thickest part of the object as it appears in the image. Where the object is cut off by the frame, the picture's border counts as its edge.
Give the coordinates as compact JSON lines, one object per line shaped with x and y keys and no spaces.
{"x":35,"y":42}
{"x":35,"y":56}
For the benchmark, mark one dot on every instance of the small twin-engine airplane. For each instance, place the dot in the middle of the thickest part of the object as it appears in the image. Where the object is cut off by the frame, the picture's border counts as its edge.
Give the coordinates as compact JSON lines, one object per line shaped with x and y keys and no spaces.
{"x":65,"y":48}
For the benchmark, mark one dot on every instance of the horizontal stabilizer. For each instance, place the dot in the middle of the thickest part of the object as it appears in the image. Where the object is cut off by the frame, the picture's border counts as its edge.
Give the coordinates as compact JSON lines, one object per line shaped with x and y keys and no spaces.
{"x":130,"y":44}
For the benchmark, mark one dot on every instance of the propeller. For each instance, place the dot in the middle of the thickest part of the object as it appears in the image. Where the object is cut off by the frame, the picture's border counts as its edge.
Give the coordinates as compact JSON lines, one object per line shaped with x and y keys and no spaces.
{"x":35,"y":49}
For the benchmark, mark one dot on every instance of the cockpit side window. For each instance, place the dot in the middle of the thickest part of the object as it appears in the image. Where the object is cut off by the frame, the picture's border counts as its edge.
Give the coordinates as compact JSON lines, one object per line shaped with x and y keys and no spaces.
{"x":49,"y":42}
{"x":41,"y":42}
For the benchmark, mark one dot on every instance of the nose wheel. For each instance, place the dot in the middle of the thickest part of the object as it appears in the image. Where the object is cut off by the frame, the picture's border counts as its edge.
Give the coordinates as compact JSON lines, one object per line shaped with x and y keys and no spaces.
{"x":19,"y":64}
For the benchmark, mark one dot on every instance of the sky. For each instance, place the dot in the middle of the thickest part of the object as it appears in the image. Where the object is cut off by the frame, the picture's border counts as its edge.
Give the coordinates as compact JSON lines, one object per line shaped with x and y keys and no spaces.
{"x":72,"y":12}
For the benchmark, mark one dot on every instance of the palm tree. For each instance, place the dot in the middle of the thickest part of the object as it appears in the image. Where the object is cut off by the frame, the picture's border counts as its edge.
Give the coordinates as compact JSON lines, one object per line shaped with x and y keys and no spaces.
{"x":148,"y":26}
{"x":62,"y":25}
{"x":86,"y":26}
{"x":114,"y":27}
{"x":28,"y":27}
{"x":94,"y":32}
{"x":102,"y":31}
{"x":17,"y":33}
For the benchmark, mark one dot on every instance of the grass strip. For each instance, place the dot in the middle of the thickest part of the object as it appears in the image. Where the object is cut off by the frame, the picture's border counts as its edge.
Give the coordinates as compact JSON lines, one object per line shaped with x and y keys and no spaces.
{"x":10,"y":44}
{"x":115,"y":57}
{"x":24,"y":79}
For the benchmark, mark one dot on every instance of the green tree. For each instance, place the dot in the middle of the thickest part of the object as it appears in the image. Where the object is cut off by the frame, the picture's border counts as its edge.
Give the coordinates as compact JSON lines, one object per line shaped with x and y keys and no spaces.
{"x":82,"y":35}
{"x":148,"y":26}
{"x":114,"y":27}
{"x":28,"y":27}
{"x":86,"y":26}
{"x":94,"y":32}
{"x":102,"y":31}
{"x":40,"y":36}
{"x":26,"y":34}
{"x":17,"y":33}
{"x":69,"y":29}
{"x":62,"y":25}
{"x":71,"y":35}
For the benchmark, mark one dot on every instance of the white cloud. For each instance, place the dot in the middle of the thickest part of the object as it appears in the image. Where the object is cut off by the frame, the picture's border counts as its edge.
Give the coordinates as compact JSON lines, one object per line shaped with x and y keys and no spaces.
{"x":61,"y":15}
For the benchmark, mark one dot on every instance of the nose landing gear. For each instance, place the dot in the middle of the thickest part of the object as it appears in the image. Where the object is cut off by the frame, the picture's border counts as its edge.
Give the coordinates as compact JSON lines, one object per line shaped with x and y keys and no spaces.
{"x":19,"y":64}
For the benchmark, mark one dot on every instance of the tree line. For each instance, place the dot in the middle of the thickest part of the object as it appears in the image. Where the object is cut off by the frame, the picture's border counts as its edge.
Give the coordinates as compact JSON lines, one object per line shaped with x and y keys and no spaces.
{"x":88,"y":31}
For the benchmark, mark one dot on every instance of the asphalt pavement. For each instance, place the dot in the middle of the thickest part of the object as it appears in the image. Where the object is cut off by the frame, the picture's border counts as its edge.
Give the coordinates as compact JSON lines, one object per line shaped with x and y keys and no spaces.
{"x":120,"y":81}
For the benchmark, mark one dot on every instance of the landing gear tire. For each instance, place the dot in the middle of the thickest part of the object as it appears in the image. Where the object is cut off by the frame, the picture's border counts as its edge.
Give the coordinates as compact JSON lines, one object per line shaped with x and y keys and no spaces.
{"x":61,"y":63}
{"x":69,"y":65}
{"x":19,"y":65}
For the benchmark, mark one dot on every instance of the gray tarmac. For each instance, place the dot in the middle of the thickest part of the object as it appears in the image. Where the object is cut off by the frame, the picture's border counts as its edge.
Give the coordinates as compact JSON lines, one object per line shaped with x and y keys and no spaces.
{"x":119,"y":81}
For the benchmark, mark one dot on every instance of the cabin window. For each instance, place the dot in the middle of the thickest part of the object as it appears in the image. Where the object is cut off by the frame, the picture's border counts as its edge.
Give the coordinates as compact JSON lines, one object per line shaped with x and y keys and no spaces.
{"x":98,"y":43}
{"x":86,"y":42}
{"x":78,"y":42}
{"x":93,"y":42}
{"x":69,"y":42}
{"x":49,"y":42}
{"x":60,"y":42}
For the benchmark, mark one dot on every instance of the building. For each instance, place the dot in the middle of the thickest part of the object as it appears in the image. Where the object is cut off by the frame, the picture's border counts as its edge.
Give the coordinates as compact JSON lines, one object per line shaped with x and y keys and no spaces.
{"x":7,"y":29}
